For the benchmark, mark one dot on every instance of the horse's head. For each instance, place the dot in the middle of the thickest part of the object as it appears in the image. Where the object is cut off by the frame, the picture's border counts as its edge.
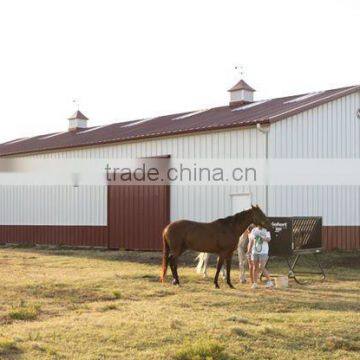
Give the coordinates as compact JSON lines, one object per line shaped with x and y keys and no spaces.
{"x":260,"y":219}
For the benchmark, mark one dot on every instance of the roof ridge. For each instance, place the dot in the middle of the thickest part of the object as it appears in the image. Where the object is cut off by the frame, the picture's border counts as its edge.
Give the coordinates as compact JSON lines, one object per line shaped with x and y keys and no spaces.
{"x":339,"y":91}
{"x":315,"y":91}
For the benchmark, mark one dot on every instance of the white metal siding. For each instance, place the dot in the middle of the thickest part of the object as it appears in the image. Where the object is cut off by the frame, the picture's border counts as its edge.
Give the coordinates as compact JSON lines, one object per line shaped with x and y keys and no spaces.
{"x":331,"y":130}
{"x":233,"y":144}
{"x":202,"y":203}
{"x":53,"y":205}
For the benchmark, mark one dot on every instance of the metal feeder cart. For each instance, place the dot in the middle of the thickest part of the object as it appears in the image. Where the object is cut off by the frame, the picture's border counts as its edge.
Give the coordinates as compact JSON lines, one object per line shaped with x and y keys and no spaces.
{"x":296,"y":237}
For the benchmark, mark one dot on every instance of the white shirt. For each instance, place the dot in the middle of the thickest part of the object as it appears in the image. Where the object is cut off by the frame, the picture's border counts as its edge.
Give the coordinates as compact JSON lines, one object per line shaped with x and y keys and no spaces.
{"x":260,"y":238}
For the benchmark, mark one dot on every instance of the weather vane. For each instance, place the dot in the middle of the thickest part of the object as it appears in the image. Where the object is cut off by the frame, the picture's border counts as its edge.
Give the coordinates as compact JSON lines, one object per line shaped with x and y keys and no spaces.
{"x":76,"y":102}
{"x":240,"y":70}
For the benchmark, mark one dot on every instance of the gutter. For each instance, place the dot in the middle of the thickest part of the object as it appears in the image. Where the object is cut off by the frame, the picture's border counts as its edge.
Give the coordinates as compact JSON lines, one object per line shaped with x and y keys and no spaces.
{"x":265,"y":131}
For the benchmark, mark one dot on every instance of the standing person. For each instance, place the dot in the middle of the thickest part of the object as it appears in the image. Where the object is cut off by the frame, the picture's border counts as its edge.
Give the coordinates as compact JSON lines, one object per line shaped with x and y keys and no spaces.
{"x":243,"y":256}
{"x":259,"y":239}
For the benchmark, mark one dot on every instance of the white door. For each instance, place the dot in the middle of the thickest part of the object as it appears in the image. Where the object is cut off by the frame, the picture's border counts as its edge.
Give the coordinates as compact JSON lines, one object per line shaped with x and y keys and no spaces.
{"x":240,"y":202}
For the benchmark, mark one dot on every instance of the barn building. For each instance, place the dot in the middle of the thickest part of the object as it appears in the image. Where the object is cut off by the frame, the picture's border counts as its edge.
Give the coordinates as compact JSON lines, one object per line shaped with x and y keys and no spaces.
{"x":323,"y":124}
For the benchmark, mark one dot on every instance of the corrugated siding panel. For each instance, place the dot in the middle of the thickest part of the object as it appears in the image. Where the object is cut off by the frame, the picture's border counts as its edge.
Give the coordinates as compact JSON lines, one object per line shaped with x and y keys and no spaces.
{"x":341,"y":237}
{"x":338,"y":205}
{"x":95,"y":236}
{"x":53,"y":205}
{"x":331,"y":130}
{"x":202,"y":203}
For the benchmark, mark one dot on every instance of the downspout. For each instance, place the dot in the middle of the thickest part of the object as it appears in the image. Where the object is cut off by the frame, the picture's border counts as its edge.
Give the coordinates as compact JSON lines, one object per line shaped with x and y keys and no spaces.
{"x":265,"y":131}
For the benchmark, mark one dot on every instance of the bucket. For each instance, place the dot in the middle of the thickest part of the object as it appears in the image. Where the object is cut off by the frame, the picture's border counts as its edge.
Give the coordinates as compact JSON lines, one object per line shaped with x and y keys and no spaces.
{"x":282,"y":282}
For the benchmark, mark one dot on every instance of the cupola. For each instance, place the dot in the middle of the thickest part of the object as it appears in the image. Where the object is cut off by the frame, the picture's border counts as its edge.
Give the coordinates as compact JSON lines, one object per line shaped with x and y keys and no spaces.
{"x":77,"y":121}
{"x":241,"y":94}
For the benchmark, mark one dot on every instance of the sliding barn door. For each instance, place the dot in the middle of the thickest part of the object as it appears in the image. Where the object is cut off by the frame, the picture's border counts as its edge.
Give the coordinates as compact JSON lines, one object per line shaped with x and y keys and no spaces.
{"x":137,"y":214}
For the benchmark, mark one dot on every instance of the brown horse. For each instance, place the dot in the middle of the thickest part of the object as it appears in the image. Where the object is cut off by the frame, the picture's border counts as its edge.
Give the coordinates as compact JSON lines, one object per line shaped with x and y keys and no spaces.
{"x":218,"y":237}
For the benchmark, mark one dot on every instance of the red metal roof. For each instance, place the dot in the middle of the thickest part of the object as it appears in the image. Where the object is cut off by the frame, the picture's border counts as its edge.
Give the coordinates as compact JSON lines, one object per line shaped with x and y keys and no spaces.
{"x":212,"y":119}
{"x":241,"y":85}
{"x":78,"y":115}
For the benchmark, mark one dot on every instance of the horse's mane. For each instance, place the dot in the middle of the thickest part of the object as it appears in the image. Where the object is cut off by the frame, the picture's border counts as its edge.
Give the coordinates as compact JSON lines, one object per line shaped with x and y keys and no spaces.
{"x":227,"y":220}
{"x":233,"y":218}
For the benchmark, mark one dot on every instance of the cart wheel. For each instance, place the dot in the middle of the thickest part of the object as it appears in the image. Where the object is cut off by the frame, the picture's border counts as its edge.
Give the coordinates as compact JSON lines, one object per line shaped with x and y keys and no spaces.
{"x":300,"y":282}
{"x":309,"y":281}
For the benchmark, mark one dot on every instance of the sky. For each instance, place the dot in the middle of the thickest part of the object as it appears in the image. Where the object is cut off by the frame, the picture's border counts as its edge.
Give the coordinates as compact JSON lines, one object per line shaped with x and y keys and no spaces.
{"x":133,"y":59}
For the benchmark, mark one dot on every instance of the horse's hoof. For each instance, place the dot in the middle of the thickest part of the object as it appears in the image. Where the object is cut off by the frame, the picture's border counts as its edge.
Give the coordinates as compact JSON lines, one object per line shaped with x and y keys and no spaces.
{"x":217,"y":286}
{"x":231,"y":286}
{"x":175,"y":282}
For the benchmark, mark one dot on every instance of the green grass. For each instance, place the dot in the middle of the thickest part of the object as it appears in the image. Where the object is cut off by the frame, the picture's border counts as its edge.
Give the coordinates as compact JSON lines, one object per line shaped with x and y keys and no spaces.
{"x":23,"y":312}
{"x":201,"y":350}
{"x":91,"y":304}
{"x":8,"y":348}
{"x":117,"y":294}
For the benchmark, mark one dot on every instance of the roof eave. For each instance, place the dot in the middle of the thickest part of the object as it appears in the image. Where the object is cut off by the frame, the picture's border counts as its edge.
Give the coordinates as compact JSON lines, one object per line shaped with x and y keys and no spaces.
{"x":149,"y":136}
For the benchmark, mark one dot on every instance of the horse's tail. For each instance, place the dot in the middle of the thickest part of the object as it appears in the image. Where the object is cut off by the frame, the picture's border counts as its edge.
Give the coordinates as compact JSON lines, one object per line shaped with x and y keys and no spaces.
{"x":201,"y":264}
{"x":165,"y":259}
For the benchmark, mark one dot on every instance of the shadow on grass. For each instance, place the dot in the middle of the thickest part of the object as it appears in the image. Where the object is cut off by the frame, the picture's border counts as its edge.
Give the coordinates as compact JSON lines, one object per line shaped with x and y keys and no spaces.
{"x":140,"y":257}
{"x":9,"y":349}
{"x":329,"y":260}
{"x":67,"y":293}
{"x":338,"y":292}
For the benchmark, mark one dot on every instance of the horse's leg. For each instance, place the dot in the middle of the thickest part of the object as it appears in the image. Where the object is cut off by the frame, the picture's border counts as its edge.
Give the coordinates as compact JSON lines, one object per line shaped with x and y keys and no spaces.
{"x":201,"y":261}
{"x":228,"y":268}
{"x":206,"y":264}
{"x":172,"y":267}
{"x":223,"y":272}
{"x":242,"y":262}
{"x":219,"y":265}
{"x":176,"y":276}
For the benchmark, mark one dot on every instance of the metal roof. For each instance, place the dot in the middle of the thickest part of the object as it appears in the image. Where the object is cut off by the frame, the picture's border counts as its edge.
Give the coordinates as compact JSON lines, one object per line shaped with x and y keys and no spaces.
{"x":242,"y":85}
{"x":78,"y":115}
{"x":169,"y":125}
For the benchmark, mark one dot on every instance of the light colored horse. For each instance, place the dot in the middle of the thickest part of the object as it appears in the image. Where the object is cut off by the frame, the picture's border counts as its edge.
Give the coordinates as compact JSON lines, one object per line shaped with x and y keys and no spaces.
{"x":203,"y":264}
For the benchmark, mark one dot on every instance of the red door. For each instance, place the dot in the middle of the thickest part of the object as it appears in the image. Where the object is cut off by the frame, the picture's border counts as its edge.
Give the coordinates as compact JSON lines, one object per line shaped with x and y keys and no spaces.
{"x":137,"y":214}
